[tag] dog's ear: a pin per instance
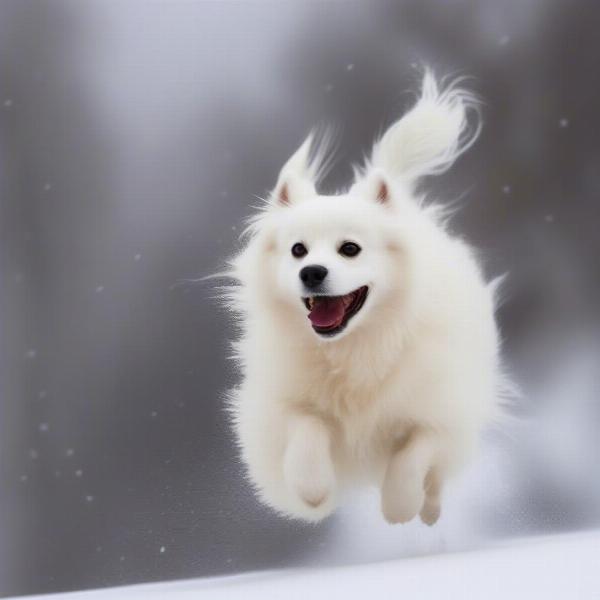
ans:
(295, 179)
(299, 176)
(376, 187)
(430, 136)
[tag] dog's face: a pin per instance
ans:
(334, 261)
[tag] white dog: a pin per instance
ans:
(369, 349)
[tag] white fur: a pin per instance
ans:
(399, 398)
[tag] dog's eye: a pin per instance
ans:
(349, 249)
(299, 250)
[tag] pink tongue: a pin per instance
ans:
(327, 312)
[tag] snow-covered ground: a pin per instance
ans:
(553, 567)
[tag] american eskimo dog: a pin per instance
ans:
(369, 350)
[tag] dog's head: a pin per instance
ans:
(335, 257)
(348, 261)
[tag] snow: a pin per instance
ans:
(44, 427)
(137, 257)
(504, 40)
(563, 122)
(99, 289)
(506, 189)
(31, 353)
(551, 568)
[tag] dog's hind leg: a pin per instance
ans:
(403, 491)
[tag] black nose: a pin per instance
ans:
(313, 275)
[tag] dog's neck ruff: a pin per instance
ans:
(367, 356)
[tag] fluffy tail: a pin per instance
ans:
(432, 135)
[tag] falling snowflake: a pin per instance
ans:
(70, 452)
(47, 187)
(329, 87)
(506, 189)
(31, 353)
(8, 103)
(563, 123)
(350, 67)
(89, 498)
(42, 394)
(43, 427)
(503, 41)
(549, 218)
(99, 289)
(137, 257)
(33, 454)
(162, 549)
(23, 478)
(78, 473)
(153, 414)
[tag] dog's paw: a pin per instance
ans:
(430, 513)
(309, 475)
(312, 482)
(312, 493)
(403, 490)
(401, 501)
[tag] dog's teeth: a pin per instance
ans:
(311, 303)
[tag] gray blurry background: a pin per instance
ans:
(133, 136)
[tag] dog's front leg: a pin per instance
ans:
(410, 485)
(307, 465)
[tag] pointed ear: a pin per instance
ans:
(375, 186)
(297, 178)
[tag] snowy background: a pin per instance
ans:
(133, 136)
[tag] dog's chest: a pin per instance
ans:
(369, 409)
(357, 409)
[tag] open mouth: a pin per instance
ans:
(330, 314)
